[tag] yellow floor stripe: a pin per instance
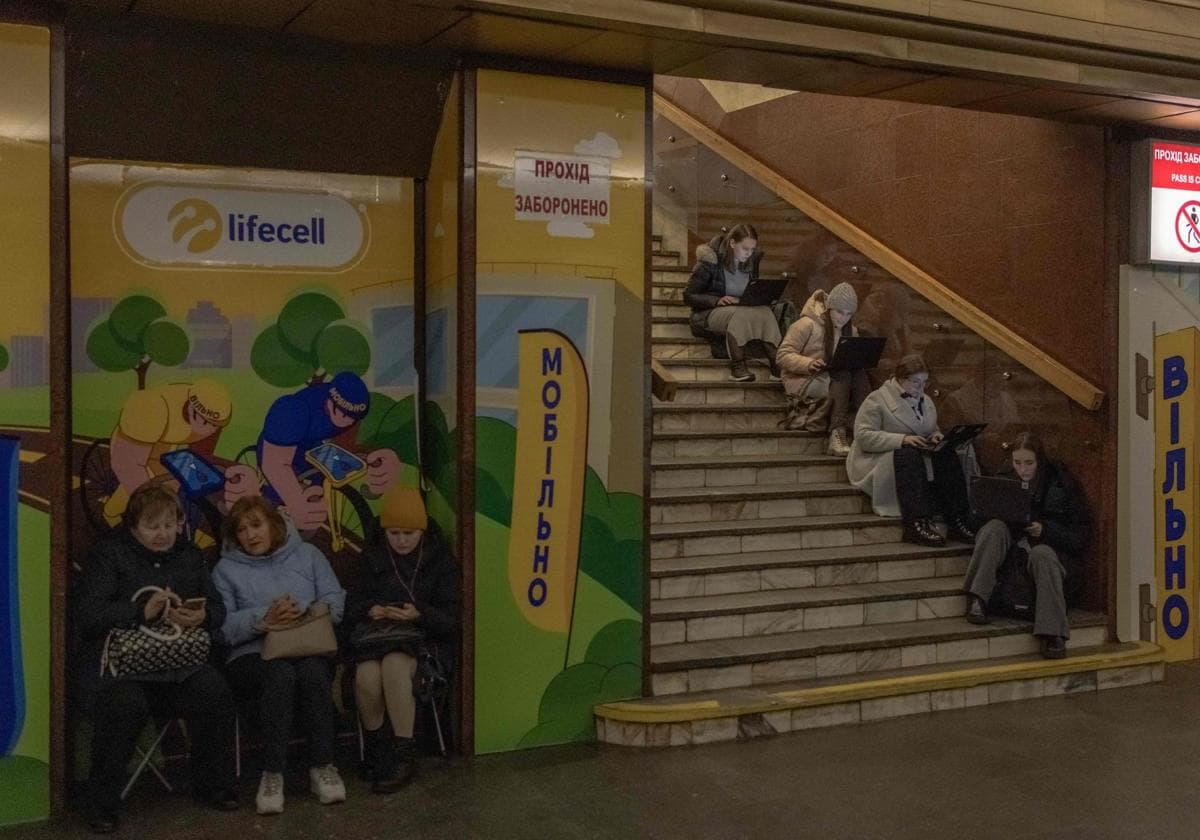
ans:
(654, 710)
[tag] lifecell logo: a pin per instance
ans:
(194, 226)
(197, 222)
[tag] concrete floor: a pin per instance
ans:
(1113, 764)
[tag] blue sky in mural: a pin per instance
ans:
(393, 345)
(500, 317)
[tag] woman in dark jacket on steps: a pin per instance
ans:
(406, 575)
(150, 551)
(1053, 542)
(724, 267)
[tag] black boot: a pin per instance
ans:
(961, 528)
(922, 532)
(402, 769)
(378, 758)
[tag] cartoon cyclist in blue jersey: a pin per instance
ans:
(297, 423)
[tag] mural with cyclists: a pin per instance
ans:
(25, 469)
(241, 332)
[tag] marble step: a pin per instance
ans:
(670, 274)
(774, 708)
(738, 615)
(691, 575)
(723, 504)
(732, 470)
(840, 651)
(669, 293)
(762, 391)
(669, 417)
(678, 309)
(708, 369)
(671, 327)
(669, 445)
(784, 533)
(682, 347)
(665, 259)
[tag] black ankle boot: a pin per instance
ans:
(960, 529)
(922, 532)
(402, 767)
(380, 753)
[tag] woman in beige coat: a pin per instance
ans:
(894, 435)
(818, 399)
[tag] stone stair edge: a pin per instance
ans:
(751, 492)
(736, 461)
(787, 558)
(804, 598)
(773, 525)
(707, 705)
(801, 644)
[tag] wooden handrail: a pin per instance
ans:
(1048, 368)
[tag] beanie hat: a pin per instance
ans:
(349, 393)
(403, 508)
(843, 297)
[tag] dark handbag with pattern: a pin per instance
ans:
(376, 639)
(148, 649)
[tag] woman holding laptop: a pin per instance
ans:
(895, 449)
(1048, 546)
(820, 399)
(724, 268)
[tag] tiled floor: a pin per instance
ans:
(1114, 764)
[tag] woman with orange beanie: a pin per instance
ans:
(406, 575)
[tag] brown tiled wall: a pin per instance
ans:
(1006, 210)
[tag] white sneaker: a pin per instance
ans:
(270, 794)
(839, 443)
(326, 784)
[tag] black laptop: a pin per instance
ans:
(1006, 499)
(857, 352)
(958, 435)
(763, 291)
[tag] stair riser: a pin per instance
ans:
(710, 372)
(668, 293)
(796, 577)
(729, 396)
(666, 259)
(668, 310)
(725, 446)
(688, 479)
(707, 628)
(681, 350)
(826, 537)
(664, 274)
(729, 420)
(859, 662)
(768, 724)
(743, 511)
(670, 331)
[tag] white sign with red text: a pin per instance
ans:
(1174, 203)
(552, 187)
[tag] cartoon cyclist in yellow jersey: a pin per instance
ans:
(158, 420)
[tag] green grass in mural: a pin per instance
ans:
(26, 407)
(516, 661)
(33, 529)
(24, 790)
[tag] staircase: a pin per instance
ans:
(779, 601)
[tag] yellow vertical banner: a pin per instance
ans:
(551, 459)
(1176, 516)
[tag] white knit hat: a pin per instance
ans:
(843, 297)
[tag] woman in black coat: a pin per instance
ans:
(1052, 542)
(724, 268)
(150, 551)
(406, 575)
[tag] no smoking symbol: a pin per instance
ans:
(1187, 226)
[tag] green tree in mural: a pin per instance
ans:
(309, 341)
(3, 357)
(136, 335)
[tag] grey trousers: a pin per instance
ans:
(992, 544)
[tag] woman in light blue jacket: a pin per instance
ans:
(269, 575)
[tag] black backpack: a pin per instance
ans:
(1015, 595)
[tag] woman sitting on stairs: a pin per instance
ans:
(893, 455)
(1048, 547)
(820, 400)
(724, 268)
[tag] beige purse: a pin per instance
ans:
(310, 635)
